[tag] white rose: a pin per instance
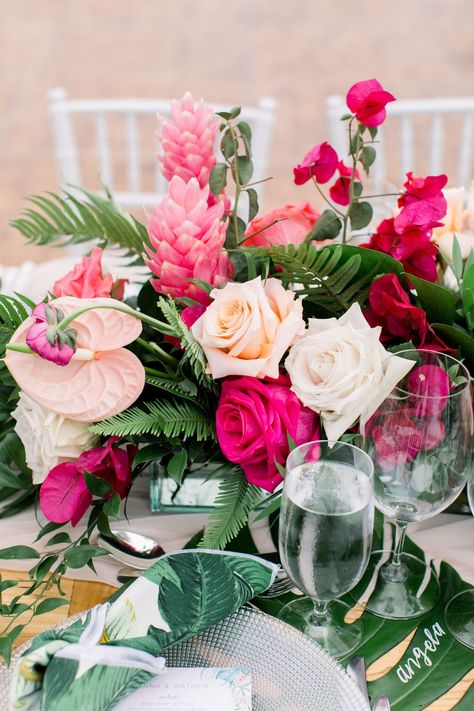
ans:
(48, 438)
(341, 370)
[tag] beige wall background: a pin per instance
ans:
(297, 51)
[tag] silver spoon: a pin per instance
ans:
(131, 548)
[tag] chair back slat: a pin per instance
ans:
(465, 151)
(103, 150)
(133, 162)
(135, 194)
(437, 144)
(423, 124)
(406, 144)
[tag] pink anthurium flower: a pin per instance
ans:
(102, 379)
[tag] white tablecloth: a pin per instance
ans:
(446, 536)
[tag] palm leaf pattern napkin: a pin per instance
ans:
(115, 648)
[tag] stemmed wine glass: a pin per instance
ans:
(459, 612)
(420, 440)
(326, 524)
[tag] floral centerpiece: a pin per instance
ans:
(251, 334)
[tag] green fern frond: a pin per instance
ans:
(193, 353)
(171, 386)
(171, 418)
(324, 276)
(235, 500)
(13, 311)
(68, 219)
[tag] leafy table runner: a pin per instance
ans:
(389, 645)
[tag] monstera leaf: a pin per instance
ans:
(429, 662)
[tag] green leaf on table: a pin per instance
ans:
(61, 537)
(6, 584)
(436, 300)
(48, 528)
(9, 479)
(44, 566)
(50, 604)
(79, 556)
(218, 178)
(18, 553)
(367, 157)
(360, 215)
(327, 226)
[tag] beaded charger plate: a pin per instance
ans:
(289, 671)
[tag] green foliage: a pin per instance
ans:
(360, 215)
(436, 300)
(170, 418)
(235, 500)
(321, 274)
(367, 157)
(327, 226)
(69, 219)
(193, 353)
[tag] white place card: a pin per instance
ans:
(190, 689)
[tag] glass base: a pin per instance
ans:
(402, 592)
(336, 636)
(459, 617)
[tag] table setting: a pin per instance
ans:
(235, 445)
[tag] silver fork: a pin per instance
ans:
(356, 670)
(281, 585)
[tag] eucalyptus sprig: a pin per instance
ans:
(236, 148)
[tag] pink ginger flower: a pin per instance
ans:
(187, 237)
(188, 139)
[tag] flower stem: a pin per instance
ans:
(157, 351)
(333, 207)
(153, 322)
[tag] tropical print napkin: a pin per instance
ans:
(116, 647)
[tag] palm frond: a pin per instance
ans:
(235, 500)
(69, 219)
(13, 311)
(325, 276)
(171, 418)
(193, 353)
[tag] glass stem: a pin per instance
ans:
(396, 571)
(320, 614)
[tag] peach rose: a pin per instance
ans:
(458, 221)
(248, 327)
(295, 221)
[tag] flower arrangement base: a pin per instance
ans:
(195, 495)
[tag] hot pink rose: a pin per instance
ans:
(248, 327)
(339, 192)
(253, 420)
(320, 162)
(64, 495)
(294, 223)
(86, 280)
(367, 100)
(411, 246)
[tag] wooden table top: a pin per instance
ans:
(85, 594)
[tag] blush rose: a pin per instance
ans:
(248, 327)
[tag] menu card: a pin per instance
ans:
(192, 689)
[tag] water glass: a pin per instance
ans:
(325, 538)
